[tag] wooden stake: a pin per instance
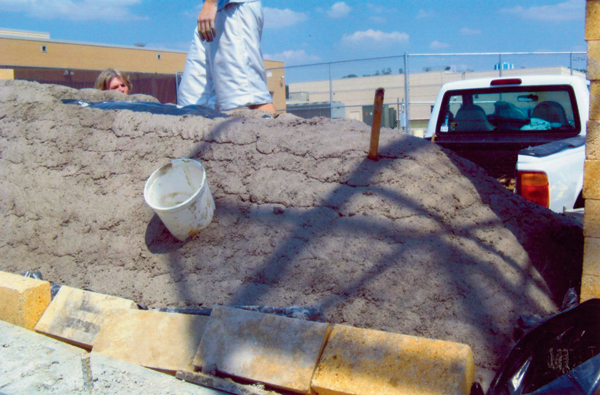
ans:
(376, 127)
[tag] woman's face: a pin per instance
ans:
(116, 84)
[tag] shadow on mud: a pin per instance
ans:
(558, 263)
(158, 238)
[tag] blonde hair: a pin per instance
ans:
(103, 80)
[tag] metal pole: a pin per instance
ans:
(403, 115)
(500, 64)
(398, 115)
(406, 93)
(571, 62)
(330, 93)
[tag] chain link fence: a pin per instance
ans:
(345, 89)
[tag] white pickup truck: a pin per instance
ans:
(531, 128)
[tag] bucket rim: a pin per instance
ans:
(182, 205)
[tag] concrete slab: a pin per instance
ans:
(279, 351)
(120, 377)
(369, 362)
(76, 316)
(32, 363)
(157, 340)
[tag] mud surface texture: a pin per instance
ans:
(420, 242)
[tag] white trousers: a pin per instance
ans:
(228, 72)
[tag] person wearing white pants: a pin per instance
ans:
(224, 69)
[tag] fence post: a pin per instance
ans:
(571, 62)
(398, 115)
(500, 65)
(406, 93)
(330, 93)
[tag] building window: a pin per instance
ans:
(158, 56)
(43, 48)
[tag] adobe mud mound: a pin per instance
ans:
(420, 242)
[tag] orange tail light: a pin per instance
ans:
(534, 186)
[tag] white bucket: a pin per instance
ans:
(178, 192)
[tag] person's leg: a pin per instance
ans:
(196, 85)
(239, 74)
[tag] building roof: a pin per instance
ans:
(24, 34)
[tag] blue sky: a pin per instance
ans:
(311, 31)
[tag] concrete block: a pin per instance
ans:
(591, 218)
(595, 100)
(590, 287)
(161, 341)
(593, 60)
(362, 361)
(591, 180)
(23, 300)
(591, 256)
(592, 146)
(592, 20)
(279, 351)
(76, 316)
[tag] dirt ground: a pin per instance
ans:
(420, 242)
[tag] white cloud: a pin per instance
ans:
(469, 32)
(424, 14)
(276, 18)
(378, 9)
(339, 10)
(293, 57)
(370, 37)
(74, 10)
(378, 19)
(571, 10)
(438, 45)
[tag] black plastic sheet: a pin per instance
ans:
(307, 313)
(559, 356)
(583, 380)
(154, 108)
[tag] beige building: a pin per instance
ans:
(33, 49)
(356, 93)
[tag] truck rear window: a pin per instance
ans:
(510, 109)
